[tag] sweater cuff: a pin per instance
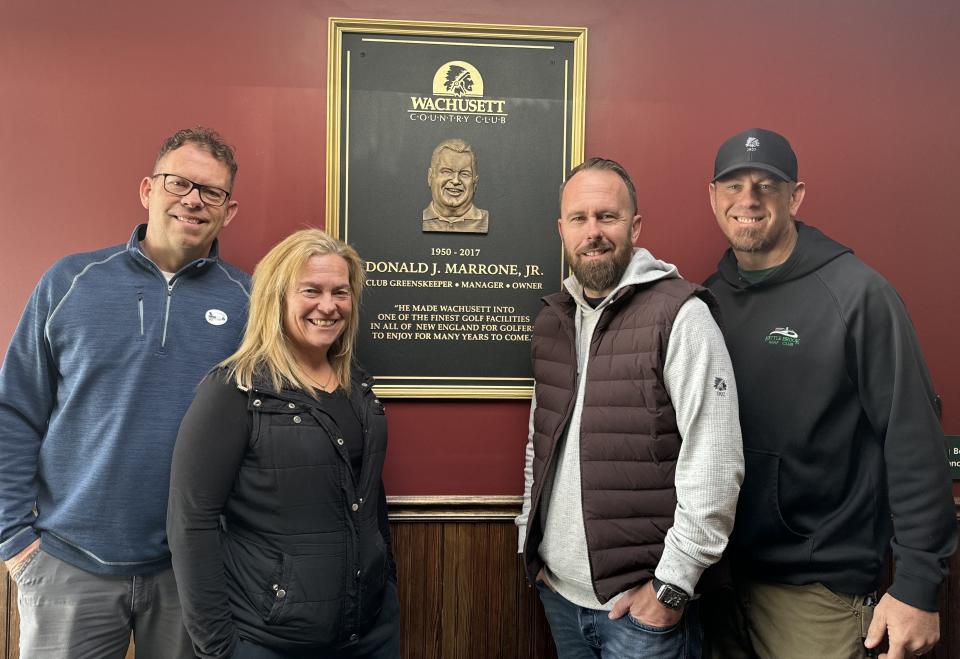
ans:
(23, 539)
(678, 569)
(916, 592)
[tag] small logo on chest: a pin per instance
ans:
(215, 317)
(782, 336)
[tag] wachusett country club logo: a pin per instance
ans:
(782, 336)
(458, 98)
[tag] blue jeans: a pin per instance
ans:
(582, 633)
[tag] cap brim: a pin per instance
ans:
(753, 165)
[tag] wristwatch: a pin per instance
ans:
(670, 596)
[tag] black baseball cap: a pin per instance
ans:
(757, 148)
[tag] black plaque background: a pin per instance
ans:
(384, 159)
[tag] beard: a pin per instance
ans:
(749, 239)
(771, 234)
(604, 274)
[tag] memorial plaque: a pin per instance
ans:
(447, 144)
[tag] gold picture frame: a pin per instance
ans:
(479, 123)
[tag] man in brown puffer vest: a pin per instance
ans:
(634, 459)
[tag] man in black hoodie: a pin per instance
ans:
(843, 446)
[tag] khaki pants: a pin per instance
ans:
(69, 613)
(776, 621)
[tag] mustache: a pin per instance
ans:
(599, 243)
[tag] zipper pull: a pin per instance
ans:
(140, 310)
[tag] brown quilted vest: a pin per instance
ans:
(629, 440)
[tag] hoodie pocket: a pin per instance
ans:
(761, 532)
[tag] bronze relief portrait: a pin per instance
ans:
(452, 177)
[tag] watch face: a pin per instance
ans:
(670, 597)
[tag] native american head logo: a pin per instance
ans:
(459, 82)
(457, 78)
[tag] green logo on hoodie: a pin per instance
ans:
(782, 336)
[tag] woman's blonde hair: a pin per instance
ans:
(265, 349)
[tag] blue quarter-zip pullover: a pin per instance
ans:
(102, 367)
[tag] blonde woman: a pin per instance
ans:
(277, 516)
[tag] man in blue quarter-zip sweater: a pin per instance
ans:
(102, 366)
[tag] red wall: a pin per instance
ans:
(866, 90)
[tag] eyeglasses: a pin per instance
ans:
(181, 187)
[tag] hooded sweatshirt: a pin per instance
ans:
(839, 427)
(709, 467)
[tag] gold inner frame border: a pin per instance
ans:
(459, 508)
